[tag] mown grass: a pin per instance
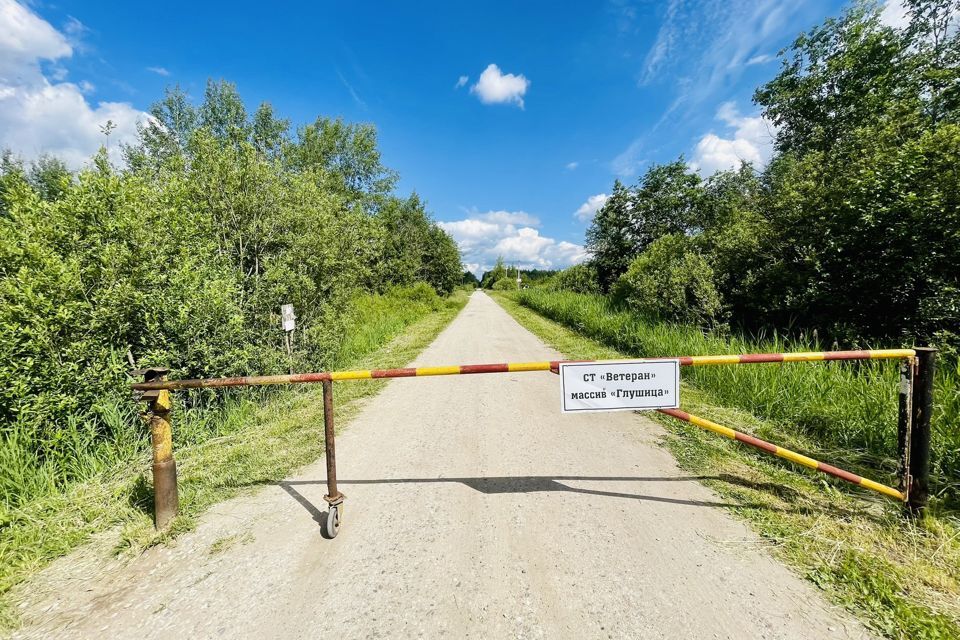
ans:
(847, 407)
(900, 576)
(254, 437)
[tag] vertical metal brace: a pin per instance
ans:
(166, 497)
(333, 497)
(904, 424)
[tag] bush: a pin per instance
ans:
(580, 278)
(672, 282)
(505, 284)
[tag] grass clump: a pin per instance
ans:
(900, 577)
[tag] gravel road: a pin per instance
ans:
(474, 510)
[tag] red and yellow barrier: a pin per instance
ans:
(507, 367)
(787, 454)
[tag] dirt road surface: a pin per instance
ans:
(474, 510)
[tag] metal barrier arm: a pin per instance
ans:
(787, 454)
(508, 367)
(913, 429)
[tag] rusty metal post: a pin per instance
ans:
(921, 411)
(904, 423)
(166, 497)
(333, 497)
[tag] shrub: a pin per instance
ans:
(670, 281)
(580, 278)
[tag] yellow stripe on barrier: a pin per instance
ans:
(361, 374)
(882, 488)
(528, 366)
(713, 426)
(804, 356)
(705, 360)
(792, 456)
(438, 371)
(891, 353)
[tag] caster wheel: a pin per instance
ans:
(331, 525)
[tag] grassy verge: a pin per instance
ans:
(256, 438)
(901, 578)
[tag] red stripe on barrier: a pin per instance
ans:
(676, 413)
(748, 358)
(840, 473)
(312, 377)
(393, 373)
(485, 368)
(756, 442)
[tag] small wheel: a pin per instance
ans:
(332, 523)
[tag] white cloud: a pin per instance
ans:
(752, 141)
(572, 165)
(762, 58)
(591, 206)
(497, 87)
(483, 237)
(39, 116)
(160, 71)
(895, 15)
(461, 81)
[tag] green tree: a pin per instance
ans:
(608, 237)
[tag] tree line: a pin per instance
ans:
(853, 227)
(182, 255)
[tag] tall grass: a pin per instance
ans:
(86, 448)
(850, 406)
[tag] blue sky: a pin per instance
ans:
(511, 119)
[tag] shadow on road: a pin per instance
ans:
(532, 484)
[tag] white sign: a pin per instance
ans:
(630, 385)
(289, 319)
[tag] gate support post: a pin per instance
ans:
(166, 497)
(334, 498)
(919, 444)
(904, 424)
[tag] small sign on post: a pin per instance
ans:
(289, 319)
(630, 385)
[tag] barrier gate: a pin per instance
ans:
(913, 426)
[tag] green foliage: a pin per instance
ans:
(672, 282)
(470, 279)
(664, 201)
(182, 259)
(505, 284)
(496, 274)
(580, 278)
(849, 406)
(852, 227)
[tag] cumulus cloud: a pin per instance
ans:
(483, 237)
(572, 165)
(591, 206)
(461, 81)
(495, 86)
(48, 115)
(752, 142)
